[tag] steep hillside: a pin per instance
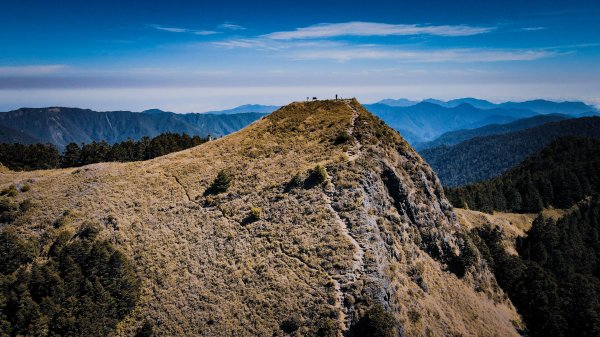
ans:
(483, 158)
(316, 219)
(426, 121)
(61, 126)
(455, 137)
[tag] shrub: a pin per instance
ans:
(88, 231)
(25, 188)
(317, 176)
(459, 264)
(290, 325)
(295, 182)
(25, 205)
(376, 322)
(220, 184)
(8, 211)
(342, 138)
(327, 328)
(14, 251)
(10, 191)
(254, 215)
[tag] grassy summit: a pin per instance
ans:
(329, 221)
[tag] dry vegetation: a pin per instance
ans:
(512, 225)
(282, 247)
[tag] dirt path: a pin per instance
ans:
(346, 277)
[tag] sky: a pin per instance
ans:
(194, 56)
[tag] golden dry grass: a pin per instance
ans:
(327, 251)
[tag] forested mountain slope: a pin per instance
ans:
(459, 136)
(561, 174)
(486, 157)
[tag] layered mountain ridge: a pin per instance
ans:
(329, 213)
(61, 126)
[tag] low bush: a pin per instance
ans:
(342, 138)
(376, 322)
(317, 176)
(221, 183)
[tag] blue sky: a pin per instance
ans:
(196, 56)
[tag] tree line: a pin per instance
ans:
(554, 282)
(82, 286)
(21, 157)
(561, 174)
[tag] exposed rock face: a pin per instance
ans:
(376, 229)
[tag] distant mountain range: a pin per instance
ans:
(418, 122)
(421, 122)
(61, 126)
(426, 121)
(455, 137)
(486, 157)
(539, 105)
(247, 108)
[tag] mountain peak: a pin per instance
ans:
(326, 209)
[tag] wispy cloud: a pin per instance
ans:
(343, 51)
(205, 32)
(274, 45)
(32, 70)
(466, 55)
(328, 30)
(171, 29)
(532, 29)
(231, 26)
(185, 30)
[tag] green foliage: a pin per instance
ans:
(14, 250)
(10, 210)
(327, 327)
(290, 325)
(342, 138)
(459, 264)
(484, 158)
(220, 184)
(82, 288)
(316, 176)
(555, 283)
(376, 322)
(560, 175)
(296, 181)
(45, 156)
(29, 157)
(255, 214)
(10, 191)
